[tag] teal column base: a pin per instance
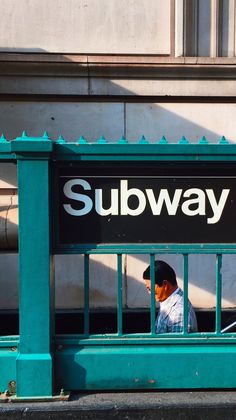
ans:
(63, 396)
(34, 375)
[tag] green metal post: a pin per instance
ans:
(86, 294)
(152, 297)
(185, 329)
(34, 363)
(119, 296)
(218, 292)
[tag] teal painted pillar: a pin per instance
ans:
(34, 365)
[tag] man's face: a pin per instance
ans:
(161, 292)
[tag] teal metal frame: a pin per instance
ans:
(41, 363)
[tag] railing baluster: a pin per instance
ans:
(152, 298)
(218, 293)
(86, 294)
(119, 295)
(185, 308)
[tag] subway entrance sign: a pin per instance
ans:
(135, 202)
(125, 205)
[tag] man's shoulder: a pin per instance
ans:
(177, 297)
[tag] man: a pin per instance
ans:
(170, 317)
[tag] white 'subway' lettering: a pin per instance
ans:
(119, 202)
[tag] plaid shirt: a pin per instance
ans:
(170, 317)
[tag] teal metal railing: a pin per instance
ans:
(81, 361)
(153, 307)
(86, 294)
(218, 293)
(185, 277)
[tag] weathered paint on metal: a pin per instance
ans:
(142, 366)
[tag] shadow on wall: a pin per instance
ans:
(112, 120)
(77, 109)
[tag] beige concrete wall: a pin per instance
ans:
(93, 119)
(8, 206)
(173, 120)
(69, 119)
(201, 279)
(9, 281)
(8, 176)
(86, 26)
(103, 292)
(103, 284)
(118, 86)
(70, 281)
(8, 220)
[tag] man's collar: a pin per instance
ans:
(167, 301)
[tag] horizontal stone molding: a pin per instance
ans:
(118, 75)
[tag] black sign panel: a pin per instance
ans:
(108, 208)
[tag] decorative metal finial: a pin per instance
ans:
(102, 140)
(143, 140)
(163, 140)
(61, 140)
(183, 140)
(82, 140)
(122, 140)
